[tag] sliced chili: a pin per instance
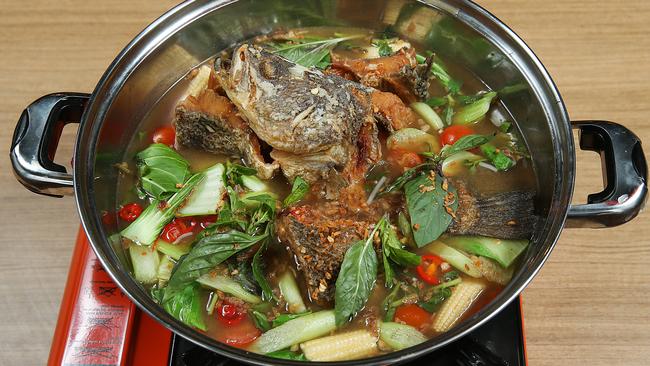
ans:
(130, 212)
(428, 269)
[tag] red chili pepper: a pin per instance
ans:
(199, 223)
(108, 218)
(428, 269)
(175, 229)
(130, 211)
(229, 314)
(165, 135)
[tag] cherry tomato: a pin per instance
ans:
(108, 218)
(229, 314)
(404, 158)
(175, 229)
(451, 134)
(130, 212)
(164, 135)
(412, 315)
(241, 334)
(428, 269)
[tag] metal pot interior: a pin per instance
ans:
(195, 31)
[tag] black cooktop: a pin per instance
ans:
(499, 342)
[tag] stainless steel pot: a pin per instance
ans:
(193, 31)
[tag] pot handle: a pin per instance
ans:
(625, 175)
(36, 138)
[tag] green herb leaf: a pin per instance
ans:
(308, 51)
(258, 274)
(356, 279)
(448, 114)
(185, 306)
(464, 143)
(205, 255)
(298, 191)
(393, 248)
(235, 171)
(286, 354)
(383, 47)
(283, 318)
(505, 126)
(426, 206)
(441, 74)
(162, 170)
(388, 304)
(434, 102)
(500, 160)
(260, 320)
(436, 300)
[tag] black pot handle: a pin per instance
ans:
(625, 175)
(36, 138)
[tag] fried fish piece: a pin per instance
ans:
(210, 122)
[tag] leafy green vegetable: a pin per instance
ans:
(404, 225)
(500, 160)
(283, 318)
(258, 274)
(448, 114)
(308, 51)
(388, 303)
(434, 102)
(441, 74)
(462, 144)
(162, 170)
(260, 320)
(436, 300)
(475, 111)
(287, 354)
(298, 191)
(425, 200)
(234, 173)
(383, 47)
(409, 174)
(393, 248)
(205, 255)
(185, 306)
(505, 126)
(356, 279)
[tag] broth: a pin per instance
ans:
(482, 178)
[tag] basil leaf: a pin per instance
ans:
(383, 47)
(186, 306)
(205, 255)
(448, 115)
(399, 182)
(436, 101)
(389, 274)
(286, 354)
(464, 143)
(389, 304)
(298, 191)
(393, 248)
(258, 274)
(356, 279)
(308, 51)
(283, 318)
(162, 170)
(500, 160)
(436, 300)
(260, 320)
(235, 171)
(425, 201)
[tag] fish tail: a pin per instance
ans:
(507, 215)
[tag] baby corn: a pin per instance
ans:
(345, 346)
(461, 299)
(492, 271)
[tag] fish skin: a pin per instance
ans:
(210, 122)
(299, 112)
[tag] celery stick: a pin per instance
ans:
(291, 293)
(228, 286)
(452, 256)
(145, 262)
(501, 250)
(400, 336)
(295, 331)
(146, 228)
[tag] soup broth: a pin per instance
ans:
(356, 252)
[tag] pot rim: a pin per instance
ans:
(178, 17)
